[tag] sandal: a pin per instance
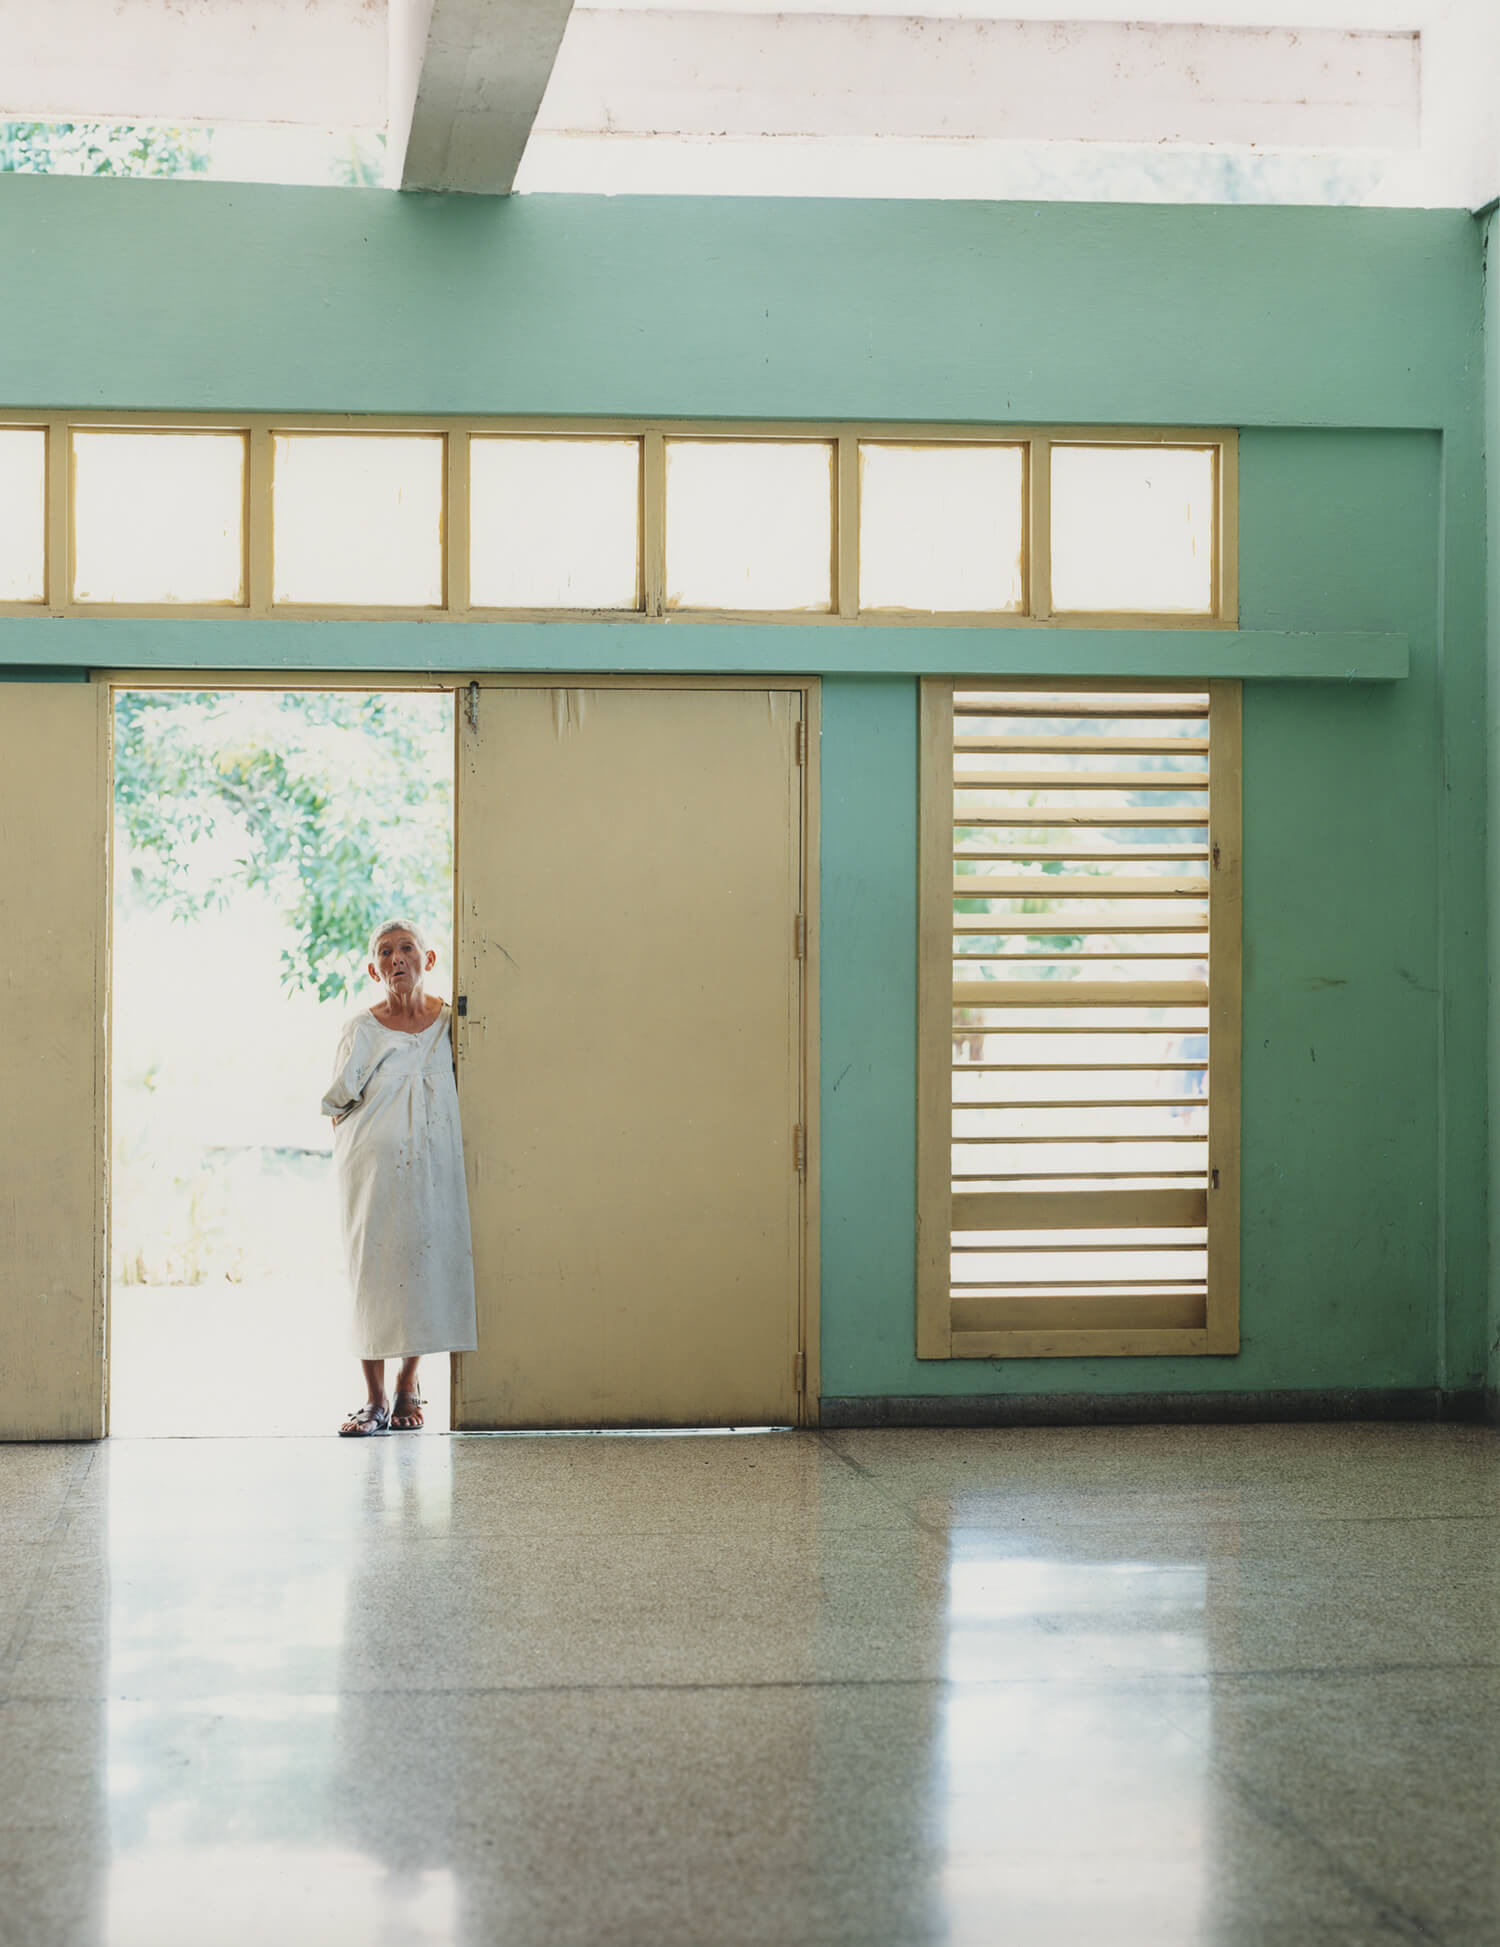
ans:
(406, 1413)
(369, 1419)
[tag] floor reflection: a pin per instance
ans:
(244, 1753)
(1073, 1795)
(249, 1895)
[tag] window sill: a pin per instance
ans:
(637, 644)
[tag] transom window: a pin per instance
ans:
(880, 525)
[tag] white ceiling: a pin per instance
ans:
(1392, 101)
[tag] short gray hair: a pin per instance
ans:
(397, 926)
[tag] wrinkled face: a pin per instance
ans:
(400, 963)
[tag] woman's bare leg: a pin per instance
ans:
(408, 1413)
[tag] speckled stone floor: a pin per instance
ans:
(1144, 1687)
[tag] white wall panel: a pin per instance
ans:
(703, 74)
(322, 65)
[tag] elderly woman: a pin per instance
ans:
(399, 1160)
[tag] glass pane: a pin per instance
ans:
(554, 523)
(23, 514)
(940, 527)
(158, 517)
(749, 524)
(1132, 529)
(358, 519)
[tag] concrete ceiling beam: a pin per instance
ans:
(466, 80)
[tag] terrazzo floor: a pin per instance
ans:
(1144, 1687)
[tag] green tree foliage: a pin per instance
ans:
(338, 806)
(102, 149)
(354, 159)
(1042, 902)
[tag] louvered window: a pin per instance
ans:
(1078, 1137)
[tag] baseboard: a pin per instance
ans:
(1162, 1409)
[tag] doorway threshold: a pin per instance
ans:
(615, 1432)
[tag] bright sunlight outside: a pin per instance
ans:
(259, 835)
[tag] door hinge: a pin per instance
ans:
(1214, 857)
(799, 1373)
(471, 706)
(461, 1006)
(799, 1149)
(799, 742)
(799, 937)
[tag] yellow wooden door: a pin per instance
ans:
(631, 1058)
(53, 838)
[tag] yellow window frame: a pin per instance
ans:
(940, 1318)
(259, 430)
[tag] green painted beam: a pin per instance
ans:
(134, 642)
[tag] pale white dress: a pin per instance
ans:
(398, 1156)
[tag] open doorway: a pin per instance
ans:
(259, 834)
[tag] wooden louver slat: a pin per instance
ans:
(1076, 1067)
(1079, 1311)
(1081, 1210)
(1079, 855)
(1113, 817)
(1071, 1176)
(1065, 1102)
(1061, 780)
(1083, 1139)
(1074, 1250)
(1015, 705)
(1057, 885)
(1080, 993)
(1113, 925)
(1027, 745)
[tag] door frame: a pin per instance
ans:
(458, 682)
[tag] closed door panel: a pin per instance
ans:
(53, 838)
(631, 1062)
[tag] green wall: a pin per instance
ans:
(1347, 344)
(1345, 1200)
(1493, 736)
(186, 294)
